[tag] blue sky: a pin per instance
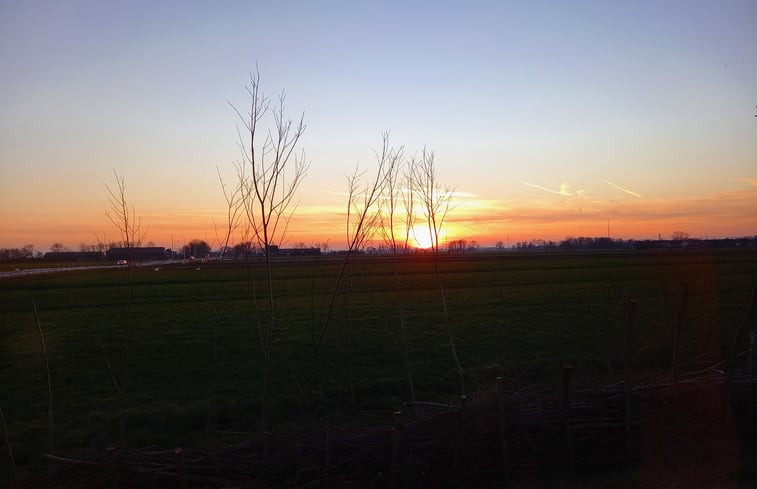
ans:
(656, 97)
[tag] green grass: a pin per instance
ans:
(195, 355)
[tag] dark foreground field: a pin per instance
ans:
(171, 356)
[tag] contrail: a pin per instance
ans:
(629, 192)
(563, 189)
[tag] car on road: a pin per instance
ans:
(122, 262)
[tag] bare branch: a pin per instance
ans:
(435, 202)
(123, 215)
(234, 207)
(265, 195)
(364, 207)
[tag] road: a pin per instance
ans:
(23, 272)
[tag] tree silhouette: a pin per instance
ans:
(269, 174)
(196, 248)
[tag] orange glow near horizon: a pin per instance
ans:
(728, 214)
(73, 233)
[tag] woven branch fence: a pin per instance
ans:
(698, 418)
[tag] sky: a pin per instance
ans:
(550, 119)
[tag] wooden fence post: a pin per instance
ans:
(394, 464)
(744, 321)
(266, 445)
(327, 459)
(181, 470)
(752, 351)
(461, 434)
(565, 404)
(112, 471)
(627, 368)
(677, 335)
(501, 422)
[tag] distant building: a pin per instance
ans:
(73, 256)
(139, 253)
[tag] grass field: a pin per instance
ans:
(194, 357)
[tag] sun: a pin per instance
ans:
(422, 236)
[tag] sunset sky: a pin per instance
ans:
(551, 119)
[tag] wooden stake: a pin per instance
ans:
(396, 430)
(744, 321)
(327, 459)
(112, 470)
(752, 352)
(627, 368)
(266, 445)
(677, 335)
(461, 434)
(501, 422)
(565, 404)
(181, 471)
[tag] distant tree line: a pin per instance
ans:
(24, 253)
(463, 246)
(679, 240)
(571, 243)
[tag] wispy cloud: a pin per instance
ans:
(625, 190)
(751, 181)
(725, 210)
(564, 190)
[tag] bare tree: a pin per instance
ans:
(123, 216)
(679, 236)
(367, 205)
(363, 220)
(435, 202)
(267, 192)
(394, 197)
(234, 211)
(396, 228)
(27, 252)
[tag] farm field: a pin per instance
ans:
(171, 356)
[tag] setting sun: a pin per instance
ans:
(422, 237)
